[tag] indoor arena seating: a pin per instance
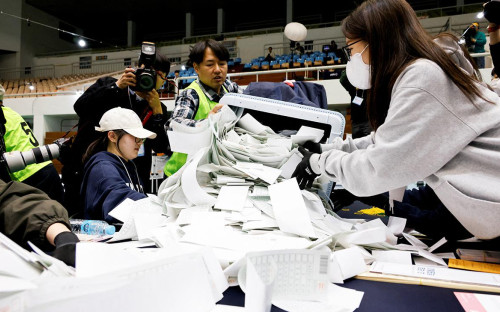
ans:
(34, 86)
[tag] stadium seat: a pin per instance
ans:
(264, 65)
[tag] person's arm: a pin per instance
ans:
(406, 148)
(185, 109)
(27, 214)
(349, 145)
(54, 230)
(105, 185)
(102, 96)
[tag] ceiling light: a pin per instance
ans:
(480, 15)
(82, 43)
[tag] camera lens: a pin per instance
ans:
(146, 82)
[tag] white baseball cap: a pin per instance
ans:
(119, 118)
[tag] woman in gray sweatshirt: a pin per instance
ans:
(432, 121)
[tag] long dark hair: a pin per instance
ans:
(101, 144)
(396, 38)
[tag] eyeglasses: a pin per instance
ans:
(347, 50)
(139, 140)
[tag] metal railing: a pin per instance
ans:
(27, 72)
(91, 67)
(257, 74)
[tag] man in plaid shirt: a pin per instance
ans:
(201, 98)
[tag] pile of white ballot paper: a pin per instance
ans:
(232, 215)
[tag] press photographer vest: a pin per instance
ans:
(19, 137)
(205, 105)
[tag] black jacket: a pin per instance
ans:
(26, 213)
(102, 96)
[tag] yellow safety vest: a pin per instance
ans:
(19, 137)
(205, 105)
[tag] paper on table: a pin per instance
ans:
(217, 277)
(283, 142)
(169, 277)
(428, 255)
(361, 237)
(396, 225)
(12, 284)
(189, 143)
(266, 173)
(289, 209)
(339, 299)
(222, 179)
(127, 231)
(264, 223)
(478, 302)
(392, 256)
(232, 198)
(439, 273)
(260, 191)
(308, 134)
(291, 164)
(146, 223)
(232, 136)
(438, 244)
(259, 286)
(249, 123)
(189, 182)
(349, 261)
(123, 211)
(186, 215)
(227, 308)
(377, 223)
(415, 241)
(16, 266)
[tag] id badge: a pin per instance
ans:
(357, 100)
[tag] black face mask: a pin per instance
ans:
(473, 31)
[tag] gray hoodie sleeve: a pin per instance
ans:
(349, 145)
(414, 141)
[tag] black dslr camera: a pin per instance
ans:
(146, 77)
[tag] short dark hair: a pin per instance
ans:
(198, 51)
(162, 63)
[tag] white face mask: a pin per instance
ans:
(358, 72)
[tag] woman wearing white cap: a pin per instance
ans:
(110, 174)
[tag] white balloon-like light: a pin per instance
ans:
(82, 43)
(295, 31)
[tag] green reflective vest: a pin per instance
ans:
(205, 105)
(19, 137)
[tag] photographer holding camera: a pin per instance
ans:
(136, 90)
(18, 137)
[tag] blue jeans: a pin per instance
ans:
(427, 214)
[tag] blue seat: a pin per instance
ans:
(230, 63)
(237, 60)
